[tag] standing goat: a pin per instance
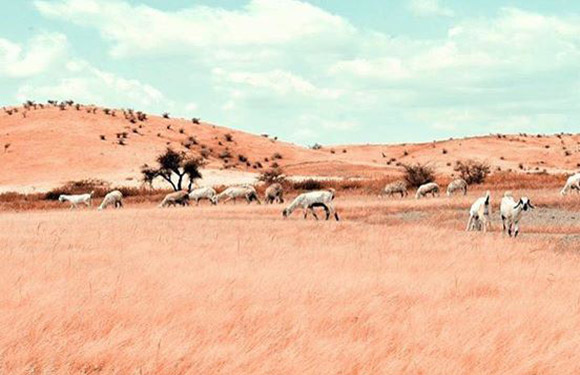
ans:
(114, 198)
(573, 182)
(393, 188)
(203, 193)
(274, 193)
(247, 192)
(428, 188)
(511, 212)
(479, 214)
(458, 184)
(75, 200)
(172, 199)
(308, 201)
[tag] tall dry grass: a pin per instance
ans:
(235, 289)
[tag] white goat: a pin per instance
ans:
(114, 198)
(394, 188)
(458, 184)
(75, 200)
(479, 214)
(428, 188)
(308, 201)
(573, 182)
(203, 193)
(274, 193)
(247, 192)
(178, 197)
(511, 212)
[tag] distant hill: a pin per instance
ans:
(43, 147)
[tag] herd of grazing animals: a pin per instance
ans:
(511, 209)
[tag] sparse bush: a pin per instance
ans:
(103, 138)
(196, 120)
(344, 150)
(79, 187)
(181, 131)
(444, 151)
(228, 137)
(332, 151)
(205, 153)
(309, 184)
(6, 147)
(406, 153)
(242, 158)
(316, 146)
(418, 174)
(272, 175)
(190, 142)
(165, 115)
(276, 155)
(225, 154)
(473, 172)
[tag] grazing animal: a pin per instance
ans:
(399, 187)
(511, 212)
(274, 193)
(247, 192)
(458, 184)
(75, 200)
(114, 198)
(308, 201)
(203, 193)
(428, 188)
(479, 214)
(572, 183)
(178, 197)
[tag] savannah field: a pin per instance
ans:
(396, 287)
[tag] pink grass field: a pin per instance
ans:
(396, 287)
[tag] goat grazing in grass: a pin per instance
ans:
(114, 198)
(207, 192)
(247, 192)
(458, 184)
(572, 183)
(75, 200)
(428, 188)
(511, 212)
(274, 193)
(479, 214)
(308, 201)
(397, 187)
(173, 199)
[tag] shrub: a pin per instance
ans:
(418, 174)
(308, 184)
(181, 131)
(79, 187)
(276, 155)
(190, 142)
(103, 138)
(228, 137)
(165, 115)
(316, 146)
(272, 175)
(225, 154)
(472, 172)
(242, 158)
(444, 151)
(196, 120)
(205, 153)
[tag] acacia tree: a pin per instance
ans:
(173, 167)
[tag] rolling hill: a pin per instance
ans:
(45, 146)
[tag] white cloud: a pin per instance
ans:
(430, 8)
(86, 84)
(278, 82)
(42, 53)
(260, 22)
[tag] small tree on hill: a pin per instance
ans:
(173, 167)
(473, 172)
(418, 174)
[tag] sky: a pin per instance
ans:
(318, 71)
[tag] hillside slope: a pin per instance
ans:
(44, 147)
